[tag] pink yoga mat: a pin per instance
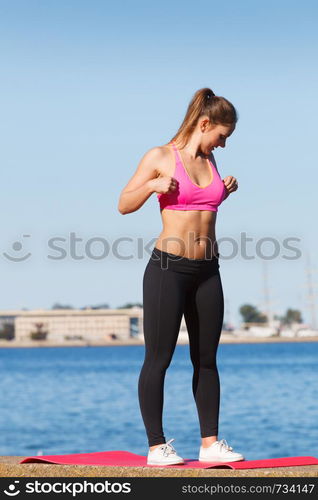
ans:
(128, 459)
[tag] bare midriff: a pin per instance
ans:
(188, 233)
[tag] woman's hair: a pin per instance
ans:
(219, 110)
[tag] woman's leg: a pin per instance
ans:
(204, 310)
(163, 304)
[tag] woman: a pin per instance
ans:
(182, 275)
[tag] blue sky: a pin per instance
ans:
(89, 87)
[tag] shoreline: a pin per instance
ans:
(130, 342)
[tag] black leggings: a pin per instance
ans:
(173, 286)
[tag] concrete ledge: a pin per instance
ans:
(10, 467)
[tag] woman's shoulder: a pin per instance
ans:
(159, 151)
(161, 155)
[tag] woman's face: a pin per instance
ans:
(216, 137)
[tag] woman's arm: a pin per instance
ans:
(140, 186)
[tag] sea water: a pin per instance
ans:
(85, 399)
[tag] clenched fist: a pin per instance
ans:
(164, 184)
(230, 184)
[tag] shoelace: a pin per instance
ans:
(168, 448)
(223, 444)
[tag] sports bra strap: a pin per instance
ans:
(177, 155)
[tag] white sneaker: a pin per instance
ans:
(219, 451)
(165, 454)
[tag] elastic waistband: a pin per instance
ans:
(172, 261)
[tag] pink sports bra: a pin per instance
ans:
(190, 196)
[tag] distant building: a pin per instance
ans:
(69, 324)
(7, 318)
